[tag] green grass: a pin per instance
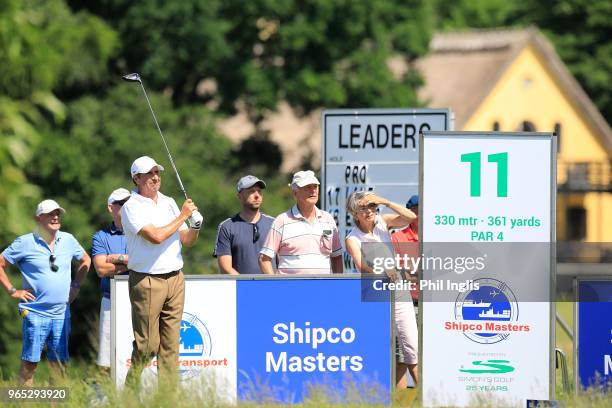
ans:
(80, 377)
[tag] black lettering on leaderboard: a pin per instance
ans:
(409, 133)
(340, 144)
(369, 138)
(378, 132)
(358, 140)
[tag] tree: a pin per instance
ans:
(39, 43)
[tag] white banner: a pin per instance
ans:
(489, 197)
(208, 335)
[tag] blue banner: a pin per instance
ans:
(595, 332)
(293, 336)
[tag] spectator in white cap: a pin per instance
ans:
(109, 254)
(156, 231)
(44, 258)
(304, 239)
(240, 238)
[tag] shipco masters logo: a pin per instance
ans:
(488, 314)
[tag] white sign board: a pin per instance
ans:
(208, 336)
(372, 149)
(489, 197)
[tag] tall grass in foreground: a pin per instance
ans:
(82, 393)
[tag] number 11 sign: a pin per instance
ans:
(487, 210)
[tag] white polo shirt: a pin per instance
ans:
(144, 256)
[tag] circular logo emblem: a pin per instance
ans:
(195, 344)
(487, 309)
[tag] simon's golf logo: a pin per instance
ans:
(488, 367)
(488, 314)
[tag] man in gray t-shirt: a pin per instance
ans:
(240, 238)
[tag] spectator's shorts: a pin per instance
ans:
(40, 331)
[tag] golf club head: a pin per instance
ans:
(134, 77)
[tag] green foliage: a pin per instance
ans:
(474, 13)
(40, 41)
(311, 53)
(320, 53)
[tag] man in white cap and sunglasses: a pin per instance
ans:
(240, 238)
(156, 230)
(44, 258)
(109, 254)
(304, 239)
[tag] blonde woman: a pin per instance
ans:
(371, 227)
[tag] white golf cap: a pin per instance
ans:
(47, 206)
(304, 178)
(143, 165)
(119, 194)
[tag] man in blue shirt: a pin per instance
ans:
(240, 238)
(44, 258)
(109, 254)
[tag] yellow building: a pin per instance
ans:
(511, 80)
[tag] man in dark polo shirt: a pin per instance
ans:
(240, 238)
(109, 254)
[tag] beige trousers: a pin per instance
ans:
(157, 310)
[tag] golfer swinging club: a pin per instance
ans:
(155, 230)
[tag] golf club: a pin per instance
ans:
(135, 77)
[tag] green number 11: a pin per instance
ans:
(502, 172)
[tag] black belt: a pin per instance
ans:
(158, 275)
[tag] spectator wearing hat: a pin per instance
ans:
(155, 230)
(240, 238)
(109, 254)
(304, 239)
(411, 232)
(44, 258)
(406, 241)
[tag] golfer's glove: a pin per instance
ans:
(195, 220)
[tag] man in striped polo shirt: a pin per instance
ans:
(304, 239)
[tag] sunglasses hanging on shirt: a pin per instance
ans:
(255, 233)
(52, 259)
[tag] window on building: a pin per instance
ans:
(496, 126)
(558, 133)
(576, 223)
(528, 126)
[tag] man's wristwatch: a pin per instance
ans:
(12, 290)
(121, 259)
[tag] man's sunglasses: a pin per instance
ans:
(52, 259)
(255, 233)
